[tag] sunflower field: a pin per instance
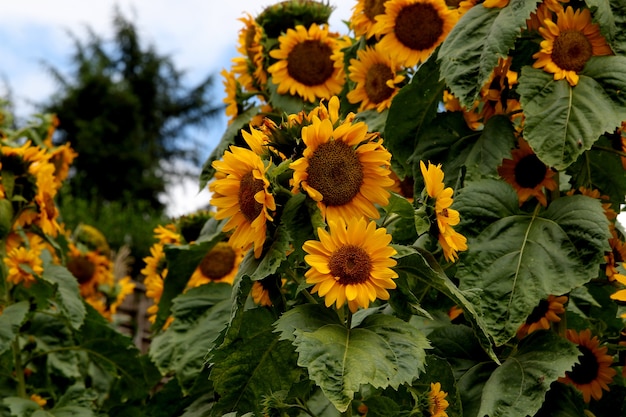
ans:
(416, 217)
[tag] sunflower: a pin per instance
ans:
(62, 157)
(90, 268)
(376, 77)
(230, 88)
(155, 272)
(345, 169)
(38, 399)
(437, 402)
(167, 234)
(545, 313)
(241, 194)
(569, 43)
(593, 371)
(310, 63)
(123, 288)
(23, 264)
(527, 174)
(450, 240)
(471, 116)
(220, 264)
(250, 47)
(351, 263)
(412, 29)
(364, 14)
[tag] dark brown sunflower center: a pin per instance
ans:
(310, 63)
(248, 187)
(336, 172)
(530, 171)
(418, 26)
(587, 369)
(376, 83)
(351, 264)
(373, 8)
(571, 50)
(538, 312)
(81, 267)
(218, 262)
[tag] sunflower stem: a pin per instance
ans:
(607, 149)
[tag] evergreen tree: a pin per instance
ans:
(126, 112)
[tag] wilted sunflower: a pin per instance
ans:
(527, 174)
(545, 313)
(364, 15)
(450, 240)
(220, 264)
(437, 403)
(569, 43)
(351, 263)
(412, 29)
(377, 79)
(345, 170)
(593, 371)
(241, 195)
(310, 63)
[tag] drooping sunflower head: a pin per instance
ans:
(220, 264)
(546, 312)
(190, 225)
(569, 43)
(345, 169)
(309, 63)
(593, 372)
(527, 174)
(351, 263)
(364, 15)
(92, 238)
(377, 79)
(266, 289)
(412, 29)
(241, 195)
(280, 17)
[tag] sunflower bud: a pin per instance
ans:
(279, 17)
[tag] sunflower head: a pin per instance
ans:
(569, 43)
(437, 403)
(277, 18)
(190, 225)
(594, 371)
(527, 174)
(351, 263)
(92, 238)
(546, 312)
(364, 16)
(412, 29)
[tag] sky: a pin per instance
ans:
(200, 36)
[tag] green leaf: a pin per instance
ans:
(564, 121)
(471, 50)
(200, 314)
(517, 388)
(70, 302)
(201, 407)
(251, 365)
(305, 318)
(382, 351)
(11, 320)
(494, 144)
(182, 260)
(21, 407)
(295, 217)
(618, 9)
(603, 16)
(511, 258)
(563, 400)
(411, 110)
(423, 266)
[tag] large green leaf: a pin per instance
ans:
(517, 387)
(200, 315)
(564, 121)
(411, 110)
(68, 296)
(23, 407)
(381, 351)
(423, 266)
(618, 9)
(520, 259)
(251, 365)
(11, 319)
(471, 50)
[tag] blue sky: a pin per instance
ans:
(198, 36)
